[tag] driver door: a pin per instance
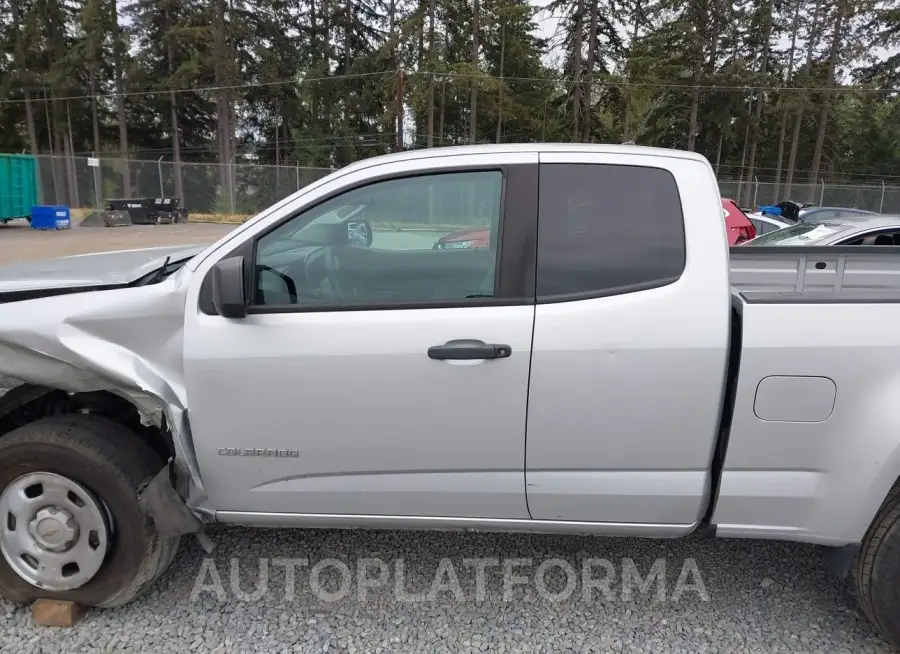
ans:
(325, 398)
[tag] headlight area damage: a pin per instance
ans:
(117, 353)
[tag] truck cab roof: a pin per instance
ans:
(540, 148)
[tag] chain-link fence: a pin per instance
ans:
(880, 198)
(245, 188)
(237, 188)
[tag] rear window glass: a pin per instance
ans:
(606, 229)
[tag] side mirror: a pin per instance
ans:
(359, 232)
(228, 288)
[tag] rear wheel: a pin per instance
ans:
(70, 524)
(876, 570)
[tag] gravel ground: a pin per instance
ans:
(761, 597)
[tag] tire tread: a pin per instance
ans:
(884, 530)
(122, 453)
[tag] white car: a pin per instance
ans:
(767, 223)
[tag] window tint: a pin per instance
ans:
(606, 228)
(416, 239)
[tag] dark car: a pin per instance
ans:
(465, 239)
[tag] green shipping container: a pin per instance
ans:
(18, 186)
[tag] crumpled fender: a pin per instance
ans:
(128, 341)
(166, 508)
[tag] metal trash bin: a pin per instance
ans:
(50, 217)
(139, 209)
(116, 218)
(149, 211)
(18, 186)
(168, 211)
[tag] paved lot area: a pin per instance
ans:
(761, 597)
(19, 242)
(756, 596)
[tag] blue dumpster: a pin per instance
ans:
(50, 217)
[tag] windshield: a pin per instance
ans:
(801, 234)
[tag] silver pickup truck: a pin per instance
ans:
(591, 367)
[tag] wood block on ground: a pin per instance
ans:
(56, 613)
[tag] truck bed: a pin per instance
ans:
(808, 447)
(816, 273)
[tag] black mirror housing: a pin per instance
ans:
(228, 294)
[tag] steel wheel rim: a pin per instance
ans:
(54, 533)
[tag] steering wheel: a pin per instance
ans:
(331, 268)
(291, 286)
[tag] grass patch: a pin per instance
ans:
(227, 218)
(78, 214)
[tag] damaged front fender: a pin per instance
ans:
(128, 341)
(166, 508)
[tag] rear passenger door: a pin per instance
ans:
(630, 343)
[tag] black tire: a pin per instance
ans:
(875, 574)
(113, 463)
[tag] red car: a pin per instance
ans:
(737, 226)
(466, 239)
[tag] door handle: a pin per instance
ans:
(463, 349)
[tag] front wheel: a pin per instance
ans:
(71, 527)
(876, 570)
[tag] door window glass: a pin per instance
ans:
(415, 239)
(607, 229)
